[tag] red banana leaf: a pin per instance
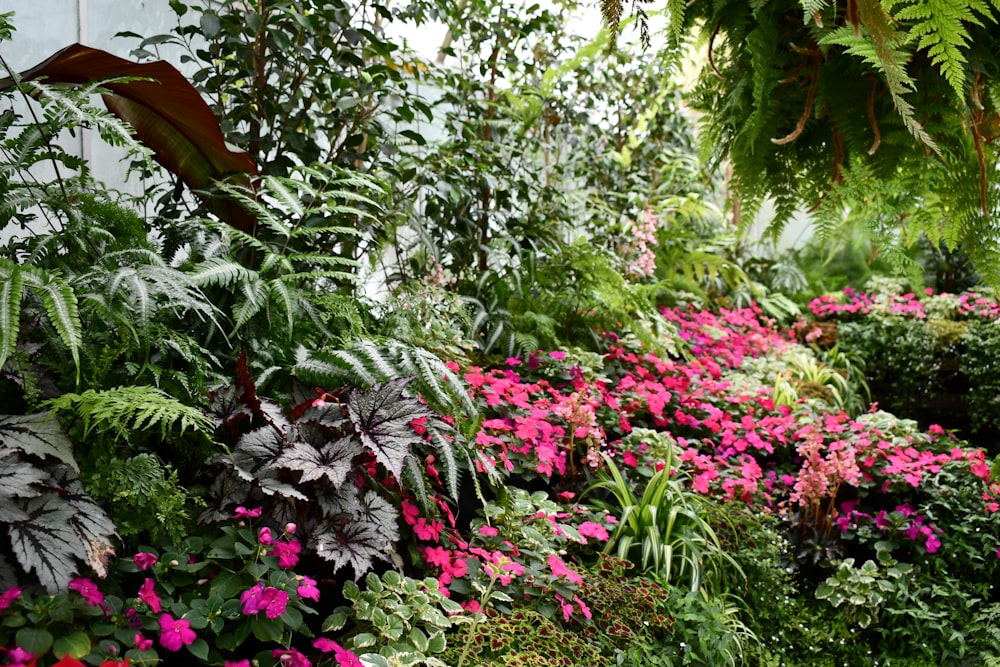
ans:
(169, 116)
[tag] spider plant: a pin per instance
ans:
(663, 529)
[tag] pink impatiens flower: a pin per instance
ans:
(253, 599)
(287, 553)
(142, 642)
(144, 560)
(593, 530)
(237, 663)
(9, 596)
(290, 657)
(307, 589)
(244, 513)
(343, 657)
(264, 536)
(560, 569)
(175, 633)
(149, 596)
(275, 601)
(88, 589)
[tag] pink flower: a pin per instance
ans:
(488, 531)
(290, 528)
(175, 633)
(252, 599)
(264, 536)
(290, 657)
(244, 513)
(594, 530)
(307, 589)
(88, 589)
(428, 530)
(274, 602)
(560, 569)
(19, 656)
(9, 596)
(149, 596)
(557, 355)
(287, 553)
(325, 645)
(238, 663)
(142, 643)
(144, 560)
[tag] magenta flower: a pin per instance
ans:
(143, 643)
(307, 589)
(274, 602)
(253, 599)
(144, 560)
(290, 657)
(244, 513)
(148, 595)
(343, 657)
(287, 553)
(488, 531)
(175, 633)
(238, 663)
(9, 596)
(88, 589)
(325, 645)
(264, 536)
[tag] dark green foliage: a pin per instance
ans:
(900, 361)
(980, 363)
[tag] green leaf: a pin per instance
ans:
(75, 645)
(11, 291)
(35, 640)
(266, 629)
(60, 304)
(199, 649)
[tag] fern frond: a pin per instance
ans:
(220, 272)
(60, 303)
(940, 28)
(123, 410)
(11, 293)
(254, 301)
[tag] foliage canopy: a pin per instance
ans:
(885, 110)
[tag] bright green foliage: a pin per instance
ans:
(663, 528)
(863, 589)
(125, 410)
(396, 620)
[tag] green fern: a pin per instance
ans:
(940, 28)
(57, 298)
(124, 410)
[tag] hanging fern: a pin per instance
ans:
(799, 94)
